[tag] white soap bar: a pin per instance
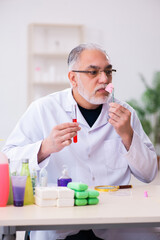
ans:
(65, 202)
(46, 192)
(45, 202)
(64, 192)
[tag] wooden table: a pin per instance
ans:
(116, 209)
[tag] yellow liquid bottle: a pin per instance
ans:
(28, 195)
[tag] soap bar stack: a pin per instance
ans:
(54, 196)
(82, 195)
(65, 197)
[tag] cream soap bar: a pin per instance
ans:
(45, 202)
(64, 192)
(65, 202)
(46, 192)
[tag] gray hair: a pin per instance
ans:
(76, 52)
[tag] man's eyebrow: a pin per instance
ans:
(93, 66)
(108, 66)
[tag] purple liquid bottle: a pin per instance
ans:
(18, 195)
(64, 179)
(18, 187)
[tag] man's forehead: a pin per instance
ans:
(93, 57)
(107, 66)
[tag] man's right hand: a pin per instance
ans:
(60, 137)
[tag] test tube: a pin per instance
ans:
(113, 95)
(74, 119)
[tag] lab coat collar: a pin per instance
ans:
(68, 108)
(69, 101)
(101, 120)
(103, 117)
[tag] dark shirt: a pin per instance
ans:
(90, 115)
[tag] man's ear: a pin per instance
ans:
(73, 78)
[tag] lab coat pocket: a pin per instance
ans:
(113, 157)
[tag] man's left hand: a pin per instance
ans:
(120, 118)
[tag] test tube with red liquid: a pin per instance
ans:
(74, 119)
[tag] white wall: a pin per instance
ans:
(128, 29)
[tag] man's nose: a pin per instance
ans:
(103, 77)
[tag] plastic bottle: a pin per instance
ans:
(34, 180)
(4, 180)
(43, 177)
(28, 195)
(10, 198)
(64, 179)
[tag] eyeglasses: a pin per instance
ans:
(95, 73)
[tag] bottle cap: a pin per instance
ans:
(25, 160)
(64, 172)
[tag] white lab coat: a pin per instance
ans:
(99, 157)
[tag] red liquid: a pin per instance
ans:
(4, 184)
(75, 140)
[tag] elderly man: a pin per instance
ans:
(111, 142)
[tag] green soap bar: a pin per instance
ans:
(81, 194)
(80, 202)
(77, 186)
(92, 193)
(92, 201)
